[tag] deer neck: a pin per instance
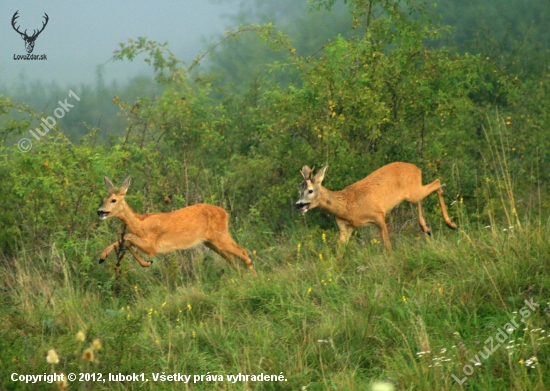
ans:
(333, 202)
(130, 218)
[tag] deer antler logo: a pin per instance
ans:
(29, 40)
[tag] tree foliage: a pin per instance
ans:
(380, 93)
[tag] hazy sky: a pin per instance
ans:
(81, 35)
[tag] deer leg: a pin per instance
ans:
(107, 251)
(136, 255)
(128, 244)
(383, 228)
(223, 254)
(421, 220)
(446, 218)
(225, 244)
(142, 244)
(430, 188)
(243, 255)
(345, 230)
(436, 186)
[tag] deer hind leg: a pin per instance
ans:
(421, 220)
(383, 228)
(436, 186)
(223, 254)
(446, 218)
(226, 246)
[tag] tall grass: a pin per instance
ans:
(326, 322)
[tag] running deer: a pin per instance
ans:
(155, 233)
(370, 199)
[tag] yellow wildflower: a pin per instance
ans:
(62, 384)
(52, 357)
(88, 355)
(96, 344)
(80, 336)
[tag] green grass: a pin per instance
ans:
(328, 318)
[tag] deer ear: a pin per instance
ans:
(124, 188)
(109, 185)
(318, 178)
(306, 172)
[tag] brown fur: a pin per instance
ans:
(369, 200)
(155, 233)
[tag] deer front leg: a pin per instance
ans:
(143, 245)
(140, 260)
(345, 234)
(345, 230)
(107, 251)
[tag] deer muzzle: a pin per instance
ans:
(303, 206)
(102, 214)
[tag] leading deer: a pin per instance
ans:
(155, 233)
(369, 200)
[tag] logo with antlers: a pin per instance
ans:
(29, 40)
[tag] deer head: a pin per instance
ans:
(29, 40)
(114, 203)
(311, 186)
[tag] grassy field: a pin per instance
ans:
(324, 317)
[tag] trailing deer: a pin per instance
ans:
(369, 200)
(155, 233)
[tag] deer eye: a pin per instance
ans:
(310, 191)
(113, 201)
